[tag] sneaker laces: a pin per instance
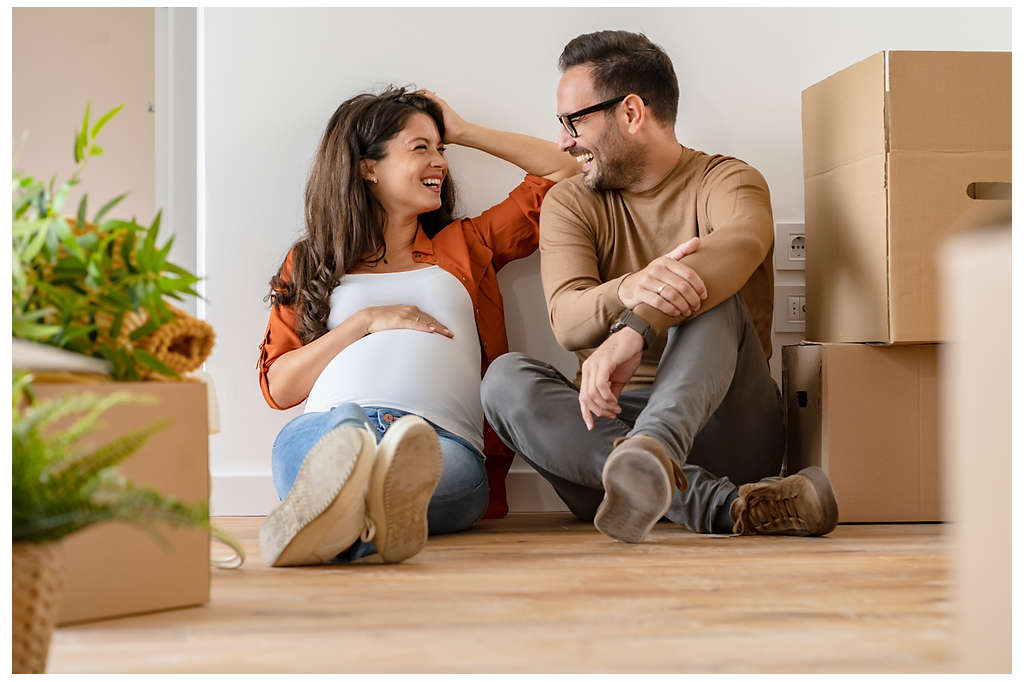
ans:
(369, 530)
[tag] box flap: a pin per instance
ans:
(844, 116)
(949, 101)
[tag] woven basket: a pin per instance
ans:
(36, 592)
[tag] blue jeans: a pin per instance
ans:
(458, 502)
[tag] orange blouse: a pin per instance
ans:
(472, 250)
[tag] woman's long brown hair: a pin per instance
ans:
(344, 221)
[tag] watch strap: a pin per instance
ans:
(637, 324)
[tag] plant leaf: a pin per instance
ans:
(107, 206)
(153, 362)
(104, 119)
(80, 218)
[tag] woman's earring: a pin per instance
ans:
(373, 180)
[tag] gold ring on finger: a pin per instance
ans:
(660, 289)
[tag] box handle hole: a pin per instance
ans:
(801, 398)
(989, 191)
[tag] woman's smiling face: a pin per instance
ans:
(410, 175)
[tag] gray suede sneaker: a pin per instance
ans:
(639, 481)
(801, 504)
(325, 511)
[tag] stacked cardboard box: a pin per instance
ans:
(896, 149)
(114, 569)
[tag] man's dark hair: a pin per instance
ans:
(622, 62)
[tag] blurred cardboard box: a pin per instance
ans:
(975, 413)
(895, 148)
(867, 415)
(116, 569)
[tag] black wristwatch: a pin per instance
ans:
(637, 324)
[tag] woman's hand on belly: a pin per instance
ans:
(384, 317)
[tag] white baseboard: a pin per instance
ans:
(242, 495)
(254, 495)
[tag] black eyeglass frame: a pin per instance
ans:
(567, 119)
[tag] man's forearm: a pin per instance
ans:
(725, 262)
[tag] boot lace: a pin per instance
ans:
(766, 513)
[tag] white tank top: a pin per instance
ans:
(424, 373)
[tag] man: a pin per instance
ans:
(656, 263)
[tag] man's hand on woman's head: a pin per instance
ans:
(384, 317)
(666, 284)
(454, 125)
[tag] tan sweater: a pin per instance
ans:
(589, 241)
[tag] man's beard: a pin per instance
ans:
(620, 165)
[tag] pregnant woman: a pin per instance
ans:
(384, 316)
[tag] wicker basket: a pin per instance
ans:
(37, 589)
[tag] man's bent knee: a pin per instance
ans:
(503, 379)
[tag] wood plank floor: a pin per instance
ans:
(546, 593)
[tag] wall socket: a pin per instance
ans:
(790, 246)
(790, 309)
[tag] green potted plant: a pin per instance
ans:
(59, 487)
(78, 283)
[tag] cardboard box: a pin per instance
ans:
(867, 415)
(116, 569)
(894, 149)
(976, 417)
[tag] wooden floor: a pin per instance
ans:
(546, 593)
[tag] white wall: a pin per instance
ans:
(273, 77)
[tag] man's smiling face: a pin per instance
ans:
(608, 160)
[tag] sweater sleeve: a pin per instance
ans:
(279, 338)
(581, 307)
(736, 229)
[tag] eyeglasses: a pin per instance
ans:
(567, 120)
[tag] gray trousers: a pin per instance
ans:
(713, 405)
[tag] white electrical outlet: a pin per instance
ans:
(790, 309)
(790, 246)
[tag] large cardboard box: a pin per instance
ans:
(115, 569)
(895, 148)
(867, 415)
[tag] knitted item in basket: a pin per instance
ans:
(36, 592)
(183, 344)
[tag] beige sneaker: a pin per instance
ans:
(639, 481)
(324, 512)
(407, 470)
(801, 504)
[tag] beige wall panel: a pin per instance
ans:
(61, 58)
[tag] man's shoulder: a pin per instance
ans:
(723, 164)
(570, 191)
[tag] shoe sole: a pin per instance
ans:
(826, 498)
(323, 512)
(407, 471)
(637, 493)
